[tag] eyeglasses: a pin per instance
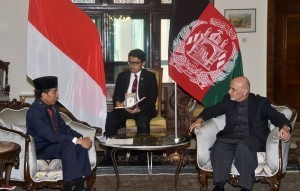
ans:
(134, 63)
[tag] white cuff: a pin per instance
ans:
(74, 140)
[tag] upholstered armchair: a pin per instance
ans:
(34, 174)
(158, 124)
(271, 164)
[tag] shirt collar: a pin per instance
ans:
(138, 74)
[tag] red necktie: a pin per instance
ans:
(52, 117)
(134, 84)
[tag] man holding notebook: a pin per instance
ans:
(134, 85)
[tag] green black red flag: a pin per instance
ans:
(204, 50)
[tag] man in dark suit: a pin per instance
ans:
(53, 138)
(146, 86)
(244, 134)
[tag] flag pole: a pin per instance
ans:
(175, 107)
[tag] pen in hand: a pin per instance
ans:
(119, 103)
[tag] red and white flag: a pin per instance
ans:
(63, 41)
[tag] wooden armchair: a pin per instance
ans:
(271, 164)
(32, 173)
(158, 124)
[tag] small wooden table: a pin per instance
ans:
(9, 157)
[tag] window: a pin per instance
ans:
(128, 1)
(129, 24)
(164, 45)
(126, 32)
(83, 1)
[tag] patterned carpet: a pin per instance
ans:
(186, 182)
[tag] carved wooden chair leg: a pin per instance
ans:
(203, 179)
(90, 181)
(274, 184)
(30, 188)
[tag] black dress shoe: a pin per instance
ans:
(82, 189)
(142, 158)
(244, 189)
(218, 189)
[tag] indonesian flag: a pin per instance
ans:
(63, 41)
(204, 50)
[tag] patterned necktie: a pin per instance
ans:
(52, 117)
(134, 84)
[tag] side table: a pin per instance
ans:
(9, 157)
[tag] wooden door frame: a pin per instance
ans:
(270, 50)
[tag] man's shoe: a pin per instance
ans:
(81, 189)
(142, 158)
(67, 186)
(218, 189)
(244, 189)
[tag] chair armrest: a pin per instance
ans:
(272, 150)
(90, 132)
(32, 160)
(25, 142)
(205, 136)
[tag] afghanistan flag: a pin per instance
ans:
(63, 41)
(204, 50)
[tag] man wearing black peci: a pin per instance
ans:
(54, 139)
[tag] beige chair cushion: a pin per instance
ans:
(54, 164)
(157, 126)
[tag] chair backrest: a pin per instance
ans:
(13, 113)
(10, 117)
(288, 112)
(158, 73)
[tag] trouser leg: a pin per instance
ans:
(143, 123)
(115, 120)
(112, 124)
(74, 158)
(222, 155)
(75, 161)
(246, 163)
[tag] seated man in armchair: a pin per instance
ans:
(53, 138)
(245, 132)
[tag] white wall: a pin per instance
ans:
(253, 45)
(13, 29)
(13, 32)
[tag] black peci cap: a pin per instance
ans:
(46, 82)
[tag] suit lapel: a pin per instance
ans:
(141, 80)
(127, 80)
(251, 108)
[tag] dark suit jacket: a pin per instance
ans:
(147, 87)
(259, 112)
(39, 126)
